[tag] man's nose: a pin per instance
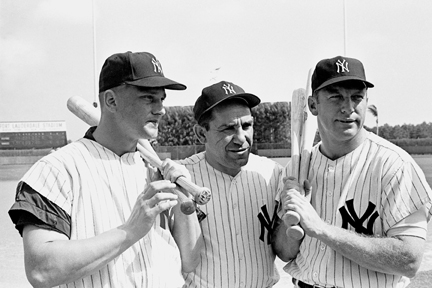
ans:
(240, 136)
(158, 108)
(347, 106)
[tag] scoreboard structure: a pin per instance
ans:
(32, 135)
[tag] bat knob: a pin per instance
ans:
(203, 197)
(291, 218)
(295, 232)
(187, 207)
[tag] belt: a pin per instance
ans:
(301, 284)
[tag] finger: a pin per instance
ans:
(292, 184)
(289, 206)
(290, 193)
(291, 178)
(294, 202)
(172, 171)
(165, 167)
(307, 188)
(164, 205)
(172, 174)
(157, 186)
(160, 198)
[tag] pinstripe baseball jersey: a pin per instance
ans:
(368, 191)
(98, 190)
(240, 216)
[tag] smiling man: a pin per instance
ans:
(366, 223)
(241, 214)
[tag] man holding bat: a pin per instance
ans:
(241, 214)
(366, 222)
(94, 214)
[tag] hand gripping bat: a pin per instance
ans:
(303, 130)
(90, 115)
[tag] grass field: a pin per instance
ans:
(11, 252)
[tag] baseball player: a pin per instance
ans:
(92, 214)
(241, 214)
(370, 203)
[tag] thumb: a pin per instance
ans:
(307, 188)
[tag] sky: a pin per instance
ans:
(51, 50)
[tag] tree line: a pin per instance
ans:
(272, 125)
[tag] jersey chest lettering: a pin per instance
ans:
(267, 223)
(350, 217)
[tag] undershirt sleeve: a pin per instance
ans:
(31, 208)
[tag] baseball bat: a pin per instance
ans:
(291, 218)
(303, 130)
(309, 129)
(86, 112)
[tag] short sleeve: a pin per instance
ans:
(31, 208)
(406, 192)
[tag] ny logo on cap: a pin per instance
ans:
(157, 66)
(228, 89)
(343, 65)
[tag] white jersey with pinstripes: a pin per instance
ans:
(98, 189)
(368, 191)
(237, 250)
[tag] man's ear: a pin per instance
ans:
(200, 133)
(312, 103)
(109, 98)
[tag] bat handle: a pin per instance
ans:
(202, 195)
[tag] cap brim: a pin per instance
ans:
(250, 99)
(157, 82)
(342, 79)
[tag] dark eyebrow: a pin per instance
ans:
(228, 125)
(331, 89)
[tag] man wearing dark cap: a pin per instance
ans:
(241, 214)
(365, 225)
(90, 213)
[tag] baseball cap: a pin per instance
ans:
(215, 94)
(138, 69)
(338, 69)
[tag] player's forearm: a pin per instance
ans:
(382, 254)
(188, 236)
(284, 247)
(51, 263)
